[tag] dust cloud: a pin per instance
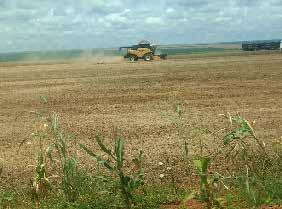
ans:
(98, 57)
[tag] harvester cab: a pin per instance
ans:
(144, 50)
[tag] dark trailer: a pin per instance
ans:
(261, 45)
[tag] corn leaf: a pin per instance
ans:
(106, 163)
(102, 146)
(186, 151)
(202, 164)
(119, 151)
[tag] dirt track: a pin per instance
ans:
(136, 99)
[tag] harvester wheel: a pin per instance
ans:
(132, 58)
(148, 57)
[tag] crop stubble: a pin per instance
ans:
(135, 100)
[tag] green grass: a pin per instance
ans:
(96, 193)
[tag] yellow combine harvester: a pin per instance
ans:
(144, 50)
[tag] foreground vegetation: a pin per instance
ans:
(249, 175)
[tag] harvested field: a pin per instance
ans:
(135, 100)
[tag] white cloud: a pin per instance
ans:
(223, 19)
(115, 17)
(30, 24)
(170, 10)
(154, 20)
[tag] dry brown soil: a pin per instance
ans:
(135, 100)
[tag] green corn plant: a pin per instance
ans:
(208, 184)
(40, 184)
(246, 151)
(51, 133)
(182, 135)
(241, 144)
(249, 189)
(115, 164)
(69, 165)
(236, 142)
(201, 165)
(243, 130)
(180, 123)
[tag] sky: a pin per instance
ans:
(28, 25)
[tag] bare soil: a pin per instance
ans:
(191, 204)
(136, 100)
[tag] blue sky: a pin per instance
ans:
(67, 24)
